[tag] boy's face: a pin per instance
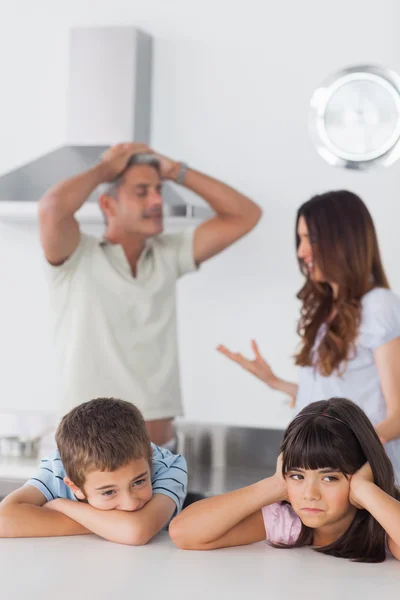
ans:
(127, 488)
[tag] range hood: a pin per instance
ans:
(109, 101)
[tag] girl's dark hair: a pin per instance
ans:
(345, 248)
(336, 434)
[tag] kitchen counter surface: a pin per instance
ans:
(89, 567)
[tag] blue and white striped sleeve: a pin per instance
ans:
(169, 475)
(49, 479)
(45, 481)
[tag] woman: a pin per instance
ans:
(333, 490)
(349, 321)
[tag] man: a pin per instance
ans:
(114, 298)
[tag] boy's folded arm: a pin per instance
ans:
(134, 528)
(23, 514)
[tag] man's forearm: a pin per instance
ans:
(226, 201)
(26, 520)
(67, 197)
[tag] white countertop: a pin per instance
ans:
(89, 567)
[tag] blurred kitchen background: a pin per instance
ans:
(231, 89)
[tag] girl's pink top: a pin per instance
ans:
(282, 525)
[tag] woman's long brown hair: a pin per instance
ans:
(345, 248)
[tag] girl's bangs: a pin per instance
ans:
(313, 447)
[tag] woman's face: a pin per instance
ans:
(305, 253)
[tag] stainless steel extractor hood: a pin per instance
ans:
(109, 101)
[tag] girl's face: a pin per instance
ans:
(305, 253)
(320, 498)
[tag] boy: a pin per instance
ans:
(105, 478)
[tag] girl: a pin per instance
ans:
(349, 321)
(333, 489)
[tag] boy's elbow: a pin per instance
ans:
(136, 536)
(138, 540)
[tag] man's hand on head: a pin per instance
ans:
(114, 160)
(169, 168)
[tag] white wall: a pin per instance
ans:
(232, 84)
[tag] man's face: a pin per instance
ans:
(137, 208)
(127, 488)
